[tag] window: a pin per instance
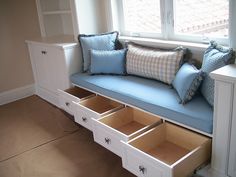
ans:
(142, 16)
(186, 20)
(206, 17)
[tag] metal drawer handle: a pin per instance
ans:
(108, 140)
(67, 104)
(44, 52)
(142, 169)
(84, 119)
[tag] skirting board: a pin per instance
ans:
(16, 94)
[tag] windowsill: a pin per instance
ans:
(164, 43)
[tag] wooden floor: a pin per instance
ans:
(39, 140)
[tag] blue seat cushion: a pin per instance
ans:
(152, 96)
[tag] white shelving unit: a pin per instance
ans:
(67, 17)
(56, 54)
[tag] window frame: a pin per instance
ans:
(167, 25)
(134, 34)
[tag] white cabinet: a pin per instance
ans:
(224, 135)
(68, 17)
(232, 150)
(52, 65)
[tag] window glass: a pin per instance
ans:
(142, 16)
(201, 17)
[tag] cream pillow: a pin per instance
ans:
(153, 63)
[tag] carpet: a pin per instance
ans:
(40, 140)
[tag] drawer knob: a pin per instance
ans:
(84, 119)
(107, 140)
(44, 52)
(142, 169)
(67, 104)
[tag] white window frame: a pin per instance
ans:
(167, 22)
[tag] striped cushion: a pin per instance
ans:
(152, 63)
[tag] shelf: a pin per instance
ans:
(54, 5)
(58, 12)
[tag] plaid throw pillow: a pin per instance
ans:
(152, 63)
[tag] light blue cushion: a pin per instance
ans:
(106, 41)
(187, 81)
(150, 95)
(214, 57)
(108, 62)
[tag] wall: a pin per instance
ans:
(18, 22)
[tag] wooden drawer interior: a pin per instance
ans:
(129, 120)
(79, 92)
(169, 143)
(101, 104)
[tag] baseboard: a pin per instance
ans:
(51, 97)
(16, 94)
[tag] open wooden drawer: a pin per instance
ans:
(94, 107)
(166, 151)
(123, 124)
(75, 94)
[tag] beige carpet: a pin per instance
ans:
(39, 140)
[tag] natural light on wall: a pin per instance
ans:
(202, 17)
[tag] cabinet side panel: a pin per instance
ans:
(232, 152)
(73, 60)
(221, 130)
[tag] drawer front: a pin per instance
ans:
(139, 166)
(66, 100)
(106, 139)
(83, 118)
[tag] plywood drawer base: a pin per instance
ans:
(76, 94)
(94, 107)
(124, 125)
(167, 150)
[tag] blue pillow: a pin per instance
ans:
(108, 62)
(214, 57)
(106, 41)
(187, 81)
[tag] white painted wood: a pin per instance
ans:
(224, 149)
(134, 156)
(221, 129)
(52, 66)
(61, 42)
(135, 107)
(47, 95)
(55, 17)
(105, 138)
(74, 94)
(66, 100)
(225, 74)
(196, 48)
(134, 161)
(82, 117)
(232, 150)
(16, 94)
(67, 17)
(115, 135)
(84, 113)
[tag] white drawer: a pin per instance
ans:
(140, 167)
(167, 150)
(107, 140)
(94, 107)
(83, 118)
(75, 94)
(124, 125)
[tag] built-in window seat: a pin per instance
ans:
(152, 96)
